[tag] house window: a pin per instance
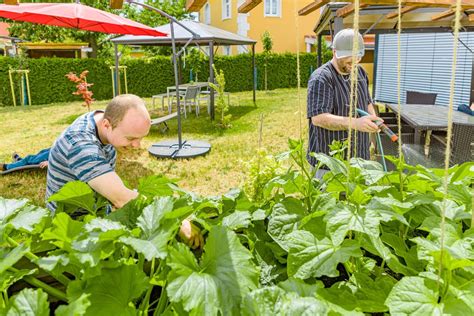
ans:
(227, 50)
(207, 14)
(273, 8)
(226, 9)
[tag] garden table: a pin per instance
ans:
(429, 118)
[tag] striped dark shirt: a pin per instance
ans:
(78, 154)
(329, 92)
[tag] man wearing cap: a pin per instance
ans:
(329, 90)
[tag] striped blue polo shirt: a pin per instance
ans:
(329, 92)
(78, 154)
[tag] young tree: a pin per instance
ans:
(267, 43)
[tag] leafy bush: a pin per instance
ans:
(354, 244)
(147, 77)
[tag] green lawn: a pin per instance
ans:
(27, 130)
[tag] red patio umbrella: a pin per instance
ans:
(75, 15)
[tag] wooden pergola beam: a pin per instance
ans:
(248, 5)
(313, 6)
(348, 10)
(443, 15)
(195, 5)
(116, 4)
(404, 10)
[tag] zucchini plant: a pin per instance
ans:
(351, 243)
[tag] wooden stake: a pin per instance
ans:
(116, 4)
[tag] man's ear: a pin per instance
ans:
(106, 123)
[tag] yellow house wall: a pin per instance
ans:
(283, 29)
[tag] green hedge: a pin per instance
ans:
(48, 83)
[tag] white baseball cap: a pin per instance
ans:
(344, 41)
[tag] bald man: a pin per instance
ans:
(86, 150)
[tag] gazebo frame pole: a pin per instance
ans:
(211, 78)
(320, 50)
(117, 75)
(254, 74)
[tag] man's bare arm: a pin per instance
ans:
(339, 123)
(111, 187)
(371, 109)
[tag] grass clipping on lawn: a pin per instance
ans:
(27, 130)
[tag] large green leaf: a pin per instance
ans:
(414, 296)
(358, 197)
(129, 213)
(157, 230)
(75, 308)
(155, 186)
(8, 278)
(372, 171)
(309, 257)
(225, 274)
(345, 218)
(370, 294)
(285, 218)
(237, 220)
(75, 193)
(376, 246)
(29, 218)
(335, 165)
(29, 302)
(111, 292)
(401, 249)
(265, 301)
(463, 172)
(300, 287)
(9, 258)
(63, 231)
(452, 210)
(10, 207)
(275, 301)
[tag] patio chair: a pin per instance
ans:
(161, 96)
(415, 97)
(188, 98)
(462, 143)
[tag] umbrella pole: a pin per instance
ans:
(169, 148)
(176, 83)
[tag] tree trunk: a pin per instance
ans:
(92, 40)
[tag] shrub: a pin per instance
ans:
(147, 77)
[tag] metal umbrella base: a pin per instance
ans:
(170, 149)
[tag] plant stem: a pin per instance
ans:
(34, 258)
(472, 205)
(163, 301)
(47, 288)
(146, 300)
(4, 299)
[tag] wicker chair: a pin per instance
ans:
(462, 143)
(415, 97)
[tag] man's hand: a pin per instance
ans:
(366, 124)
(43, 164)
(191, 235)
